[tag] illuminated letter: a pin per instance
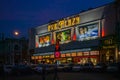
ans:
(73, 21)
(49, 26)
(77, 20)
(69, 22)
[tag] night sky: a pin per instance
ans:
(21, 15)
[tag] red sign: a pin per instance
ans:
(57, 54)
(57, 50)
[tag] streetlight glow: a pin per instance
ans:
(16, 33)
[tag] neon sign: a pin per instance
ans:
(67, 22)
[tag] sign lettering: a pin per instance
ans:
(64, 23)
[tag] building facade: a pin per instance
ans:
(91, 35)
(13, 51)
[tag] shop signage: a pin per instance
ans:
(108, 43)
(57, 50)
(106, 47)
(66, 22)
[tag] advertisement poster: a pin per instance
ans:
(88, 32)
(63, 36)
(42, 41)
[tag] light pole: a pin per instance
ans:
(16, 34)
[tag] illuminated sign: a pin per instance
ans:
(42, 41)
(87, 32)
(57, 50)
(64, 36)
(57, 54)
(64, 23)
(106, 47)
(108, 42)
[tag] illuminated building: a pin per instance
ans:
(89, 35)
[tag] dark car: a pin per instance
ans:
(60, 67)
(21, 70)
(68, 67)
(77, 67)
(100, 67)
(113, 67)
(88, 67)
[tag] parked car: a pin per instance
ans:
(47, 68)
(60, 67)
(88, 67)
(21, 70)
(113, 67)
(77, 67)
(8, 69)
(68, 67)
(50, 68)
(100, 67)
(38, 68)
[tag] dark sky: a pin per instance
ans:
(21, 15)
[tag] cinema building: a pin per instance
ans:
(89, 35)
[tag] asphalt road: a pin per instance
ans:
(67, 76)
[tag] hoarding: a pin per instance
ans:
(64, 35)
(42, 41)
(87, 32)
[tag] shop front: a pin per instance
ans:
(108, 50)
(71, 56)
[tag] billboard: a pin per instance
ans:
(87, 32)
(64, 35)
(42, 40)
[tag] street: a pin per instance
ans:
(67, 76)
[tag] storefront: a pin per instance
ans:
(108, 49)
(81, 38)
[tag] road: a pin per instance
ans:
(67, 76)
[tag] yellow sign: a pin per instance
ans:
(64, 23)
(108, 41)
(106, 47)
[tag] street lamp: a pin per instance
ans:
(16, 47)
(16, 33)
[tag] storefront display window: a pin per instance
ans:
(62, 55)
(39, 57)
(94, 52)
(73, 54)
(86, 53)
(68, 55)
(79, 54)
(52, 56)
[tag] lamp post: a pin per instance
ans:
(16, 34)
